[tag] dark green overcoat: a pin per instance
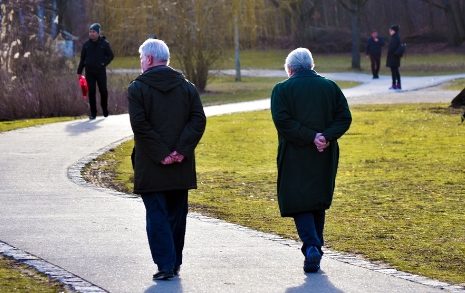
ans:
(302, 106)
(166, 115)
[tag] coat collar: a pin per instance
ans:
(305, 73)
(157, 68)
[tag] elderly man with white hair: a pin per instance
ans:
(168, 121)
(310, 114)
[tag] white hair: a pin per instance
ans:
(299, 59)
(157, 49)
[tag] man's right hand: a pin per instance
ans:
(320, 142)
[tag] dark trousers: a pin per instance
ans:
(166, 214)
(93, 79)
(395, 75)
(375, 64)
(310, 226)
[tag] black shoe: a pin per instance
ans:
(176, 271)
(375, 77)
(312, 260)
(92, 117)
(311, 267)
(162, 275)
(105, 113)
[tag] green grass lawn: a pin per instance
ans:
(224, 89)
(18, 278)
(399, 194)
(427, 64)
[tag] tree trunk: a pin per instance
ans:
(408, 17)
(431, 14)
(355, 40)
(459, 21)
(453, 37)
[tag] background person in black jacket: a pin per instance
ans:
(393, 57)
(374, 46)
(96, 54)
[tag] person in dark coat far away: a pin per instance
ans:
(96, 54)
(168, 121)
(310, 114)
(459, 102)
(393, 57)
(373, 51)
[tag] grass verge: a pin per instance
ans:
(15, 277)
(17, 124)
(399, 195)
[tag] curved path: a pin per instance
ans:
(93, 239)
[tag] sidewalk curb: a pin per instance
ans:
(53, 272)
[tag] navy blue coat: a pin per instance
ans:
(166, 115)
(374, 48)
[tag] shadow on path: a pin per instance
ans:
(315, 283)
(83, 126)
(173, 286)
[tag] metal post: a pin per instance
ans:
(236, 40)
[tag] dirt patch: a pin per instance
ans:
(98, 174)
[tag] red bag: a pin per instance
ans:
(83, 84)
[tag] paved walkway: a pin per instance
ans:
(93, 239)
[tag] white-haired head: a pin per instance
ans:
(157, 49)
(299, 59)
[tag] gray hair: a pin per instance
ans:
(157, 49)
(299, 59)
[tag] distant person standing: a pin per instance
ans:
(168, 121)
(310, 114)
(96, 54)
(373, 50)
(394, 55)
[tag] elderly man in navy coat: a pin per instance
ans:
(168, 121)
(310, 113)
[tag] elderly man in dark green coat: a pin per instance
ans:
(310, 113)
(168, 121)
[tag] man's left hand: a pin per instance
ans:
(177, 157)
(320, 142)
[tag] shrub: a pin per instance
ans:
(36, 80)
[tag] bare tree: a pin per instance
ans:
(197, 35)
(35, 80)
(298, 17)
(199, 31)
(455, 23)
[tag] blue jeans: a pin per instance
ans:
(166, 214)
(310, 227)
